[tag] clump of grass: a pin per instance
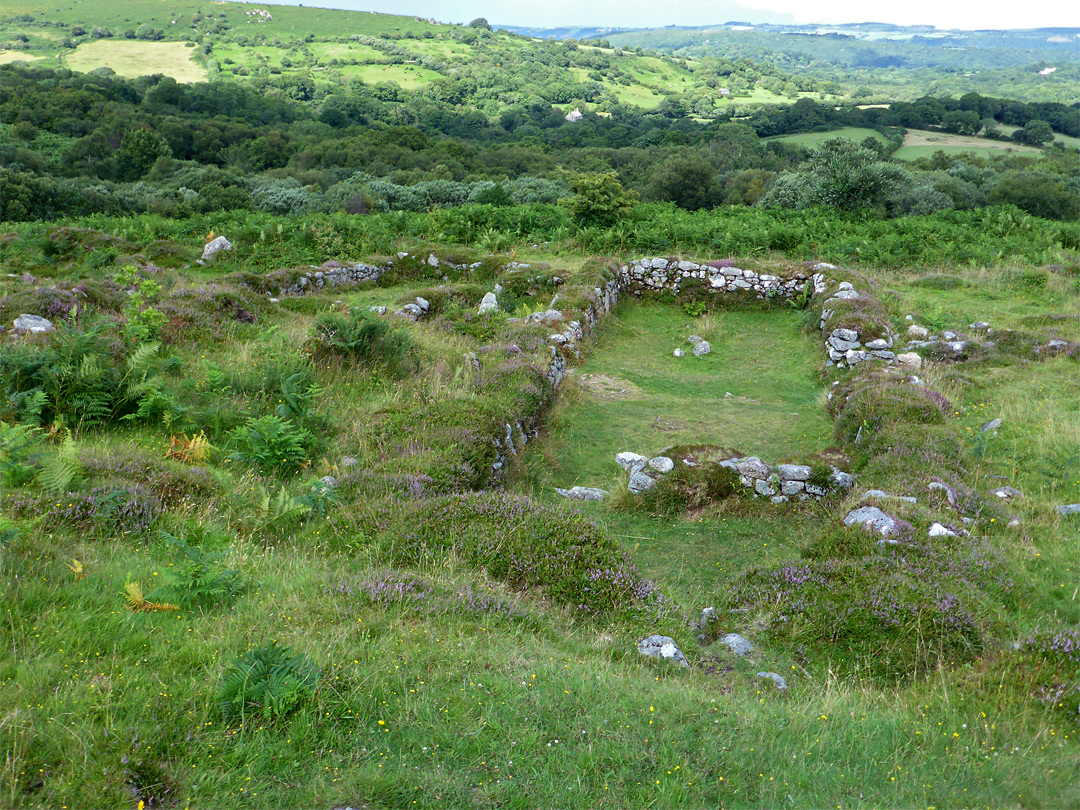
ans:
(362, 339)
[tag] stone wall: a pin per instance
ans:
(780, 483)
(671, 275)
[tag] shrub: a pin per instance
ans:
(359, 338)
(270, 681)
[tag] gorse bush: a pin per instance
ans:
(360, 338)
(268, 682)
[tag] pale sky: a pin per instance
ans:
(967, 14)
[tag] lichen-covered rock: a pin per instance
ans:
(873, 519)
(34, 324)
(781, 684)
(753, 467)
(662, 647)
(212, 248)
(640, 481)
(794, 472)
(662, 464)
(701, 349)
(583, 493)
(631, 461)
(910, 360)
(737, 644)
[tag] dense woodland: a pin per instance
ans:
(77, 144)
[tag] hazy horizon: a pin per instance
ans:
(964, 15)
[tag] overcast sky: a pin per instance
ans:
(967, 14)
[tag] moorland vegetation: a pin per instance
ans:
(279, 521)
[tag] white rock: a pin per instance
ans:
(679, 353)
(701, 349)
(693, 340)
(662, 464)
(34, 324)
(631, 461)
(662, 647)
(937, 530)
(489, 303)
(918, 332)
(215, 246)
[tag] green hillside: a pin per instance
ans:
(237, 40)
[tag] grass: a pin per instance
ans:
(632, 394)
(479, 694)
(409, 77)
(17, 56)
(811, 140)
(137, 59)
(921, 143)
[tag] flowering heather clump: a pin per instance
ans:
(413, 593)
(124, 510)
(719, 264)
(527, 546)
(389, 588)
(1056, 679)
(1062, 646)
(201, 311)
(866, 410)
(171, 483)
(904, 607)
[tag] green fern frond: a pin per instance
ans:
(270, 681)
(62, 470)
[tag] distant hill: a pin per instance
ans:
(302, 49)
(882, 60)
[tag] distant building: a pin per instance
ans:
(1047, 71)
(724, 91)
(573, 115)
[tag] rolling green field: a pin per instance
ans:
(812, 140)
(920, 143)
(137, 59)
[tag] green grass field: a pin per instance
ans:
(921, 143)
(632, 394)
(137, 59)
(811, 140)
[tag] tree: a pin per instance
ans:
(848, 177)
(688, 181)
(480, 22)
(599, 198)
(1035, 133)
(139, 150)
